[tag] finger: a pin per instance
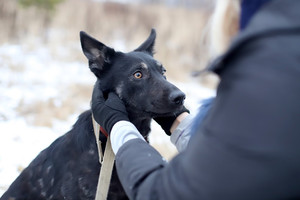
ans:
(115, 102)
(113, 96)
(97, 101)
(97, 96)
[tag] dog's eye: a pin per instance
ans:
(138, 75)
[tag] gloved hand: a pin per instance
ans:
(108, 111)
(167, 121)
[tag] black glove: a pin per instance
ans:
(167, 121)
(108, 111)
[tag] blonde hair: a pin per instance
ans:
(224, 25)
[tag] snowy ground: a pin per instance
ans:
(34, 87)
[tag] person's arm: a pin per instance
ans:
(124, 131)
(180, 131)
(247, 146)
(182, 127)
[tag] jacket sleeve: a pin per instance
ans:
(181, 135)
(248, 145)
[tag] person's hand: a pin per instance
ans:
(166, 122)
(108, 111)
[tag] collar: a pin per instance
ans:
(103, 131)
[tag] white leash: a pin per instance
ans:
(107, 162)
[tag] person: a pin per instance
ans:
(248, 144)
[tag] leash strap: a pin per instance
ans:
(107, 162)
(96, 127)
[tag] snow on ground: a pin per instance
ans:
(29, 75)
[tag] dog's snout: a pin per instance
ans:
(177, 97)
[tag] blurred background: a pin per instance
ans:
(45, 82)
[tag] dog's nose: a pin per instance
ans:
(177, 97)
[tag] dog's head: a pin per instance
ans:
(136, 77)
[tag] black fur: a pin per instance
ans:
(69, 167)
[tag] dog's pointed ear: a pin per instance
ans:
(97, 53)
(148, 45)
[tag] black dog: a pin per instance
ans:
(69, 167)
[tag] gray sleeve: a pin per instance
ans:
(181, 136)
